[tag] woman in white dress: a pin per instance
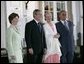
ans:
(13, 44)
(53, 52)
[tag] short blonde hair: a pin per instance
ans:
(47, 12)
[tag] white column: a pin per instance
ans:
(66, 5)
(3, 24)
(81, 21)
(43, 10)
(8, 12)
(55, 11)
(66, 9)
(74, 13)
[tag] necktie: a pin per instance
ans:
(65, 23)
(39, 26)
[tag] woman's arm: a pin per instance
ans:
(9, 43)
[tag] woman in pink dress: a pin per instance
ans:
(53, 52)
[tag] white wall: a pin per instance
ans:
(3, 24)
(32, 5)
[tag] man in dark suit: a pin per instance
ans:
(65, 29)
(35, 38)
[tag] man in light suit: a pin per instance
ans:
(65, 29)
(35, 38)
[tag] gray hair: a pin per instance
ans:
(35, 12)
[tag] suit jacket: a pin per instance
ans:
(34, 38)
(66, 36)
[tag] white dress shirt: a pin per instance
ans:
(36, 21)
(66, 23)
